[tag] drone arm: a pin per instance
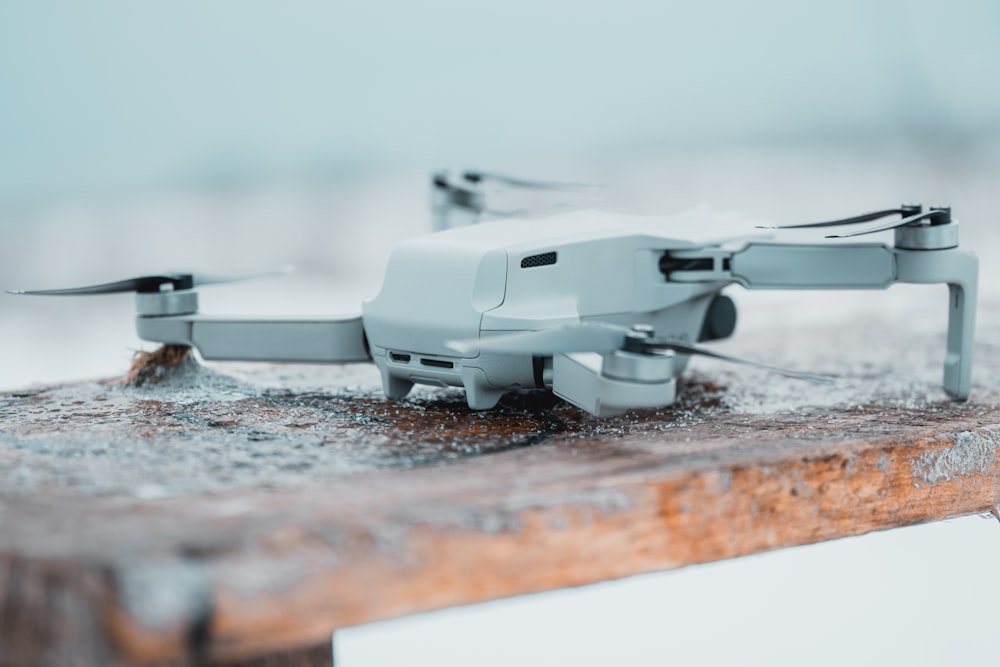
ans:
(787, 266)
(314, 340)
(849, 266)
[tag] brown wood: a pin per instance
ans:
(320, 655)
(237, 513)
(545, 499)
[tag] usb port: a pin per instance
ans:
(436, 363)
(399, 357)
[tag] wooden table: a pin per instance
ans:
(240, 514)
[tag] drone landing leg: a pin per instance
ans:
(960, 271)
(480, 395)
(854, 266)
(395, 387)
(582, 379)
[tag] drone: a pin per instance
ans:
(603, 309)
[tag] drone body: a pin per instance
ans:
(603, 309)
(509, 276)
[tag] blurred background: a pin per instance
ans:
(239, 136)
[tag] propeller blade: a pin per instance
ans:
(137, 284)
(200, 279)
(905, 210)
(687, 348)
(151, 283)
(602, 337)
(583, 337)
(480, 176)
(943, 215)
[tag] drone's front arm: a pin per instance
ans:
(849, 266)
(312, 340)
(786, 266)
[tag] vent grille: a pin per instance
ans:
(437, 363)
(545, 259)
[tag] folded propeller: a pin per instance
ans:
(465, 193)
(487, 176)
(601, 337)
(152, 284)
(913, 214)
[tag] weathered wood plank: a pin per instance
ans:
(303, 511)
(234, 512)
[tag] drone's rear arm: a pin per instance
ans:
(314, 340)
(849, 266)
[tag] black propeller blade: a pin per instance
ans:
(905, 210)
(685, 348)
(481, 176)
(458, 196)
(463, 193)
(935, 216)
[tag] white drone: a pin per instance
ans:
(602, 309)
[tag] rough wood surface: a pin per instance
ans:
(236, 513)
(225, 515)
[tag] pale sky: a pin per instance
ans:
(113, 94)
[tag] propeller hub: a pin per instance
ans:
(171, 281)
(637, 337)
(167, 302)
(938, 232)
(642, 331)
(942, 215)
(639, 367)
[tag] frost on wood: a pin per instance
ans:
(971, 453)
(178, 427)
(260, 506)
(189, 428)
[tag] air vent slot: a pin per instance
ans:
(545, 259)
(437, 363)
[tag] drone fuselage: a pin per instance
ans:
(601, 308)
(523, 275)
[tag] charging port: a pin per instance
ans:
(399, 357)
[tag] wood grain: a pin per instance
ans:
(419, 505)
